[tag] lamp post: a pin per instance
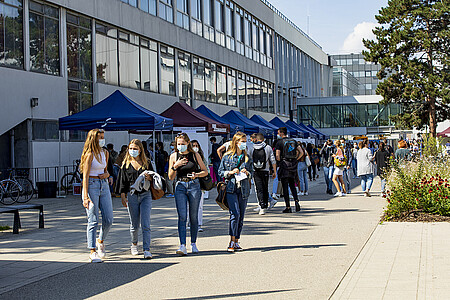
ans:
(291, 112)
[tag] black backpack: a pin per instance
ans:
(290, 149)
(259, 159)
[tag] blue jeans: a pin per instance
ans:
(100, 196)
(383, 185)
(275, 184)
(328, 174)
(187, 192)
(346, 179)
(366, 182)
(354, 165)
(139, 208)
(302, 170)
(237, 206)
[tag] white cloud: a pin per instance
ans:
(353, 42)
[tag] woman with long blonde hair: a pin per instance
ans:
(236, 168)
(340, 165)
(187, 166)
(138, 203)
(96, 194)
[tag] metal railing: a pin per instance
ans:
(281, 15)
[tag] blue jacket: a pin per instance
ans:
(229, 163)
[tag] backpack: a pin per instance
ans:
(259, 159)
(290, 149)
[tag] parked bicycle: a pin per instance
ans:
(70, 178)
(20, 176)
(9, 191)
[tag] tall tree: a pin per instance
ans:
(412, 45)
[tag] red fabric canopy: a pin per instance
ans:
(445, 133)
(185, 116)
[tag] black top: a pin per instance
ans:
(382, 160)
(188, 168)
(127, 177)
(214, 156)
(279, 146)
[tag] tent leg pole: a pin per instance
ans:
(154, 145)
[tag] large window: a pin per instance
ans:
(129, 60)
(232, 88)
(199, 78)
(264, 96)
(196, 14)
(184, 75)
(271, 96)
(221, 85)
(148, 6)
(269, 48)
(79, 47)
(106, 54)
(230, 31)
(241, 91)
(210, 81)
(239, 17)
(131, 2)
(250, 93)
(255, 39)
(219, 22)
(167, 70)
(248, 35)
(44, 38)
(208, 20)
(149, 65)
(11, 34)
(166, 10)
(183, 14)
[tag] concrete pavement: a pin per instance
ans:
(301, 255)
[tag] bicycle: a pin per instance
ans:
(70, 178)
(25, 184)
(9, 191)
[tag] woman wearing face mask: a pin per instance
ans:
(236, 162)
(139, 204)
(186, 165)
(96, 194)
(196, 147)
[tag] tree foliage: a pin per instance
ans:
(412, 46)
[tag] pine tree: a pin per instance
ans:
(412, 46)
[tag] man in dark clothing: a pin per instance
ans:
(287, 170)
(215, 159)
(161, 158)
(327, 152)
(349, 156)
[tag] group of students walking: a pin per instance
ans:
(186, 165)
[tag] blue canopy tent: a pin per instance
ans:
(306, 133)
(321, 135)
(249, 126)
(308, 129)
(293, 132)
(116, 112)
(212, 115)
(259, 120)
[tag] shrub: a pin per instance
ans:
(419, 186)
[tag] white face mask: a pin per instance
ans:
(242, 146)
(133, 153)
(182, 148)
(195, 149)
(279, 136)
(101, 142)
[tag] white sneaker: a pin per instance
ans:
(257, 209)
(301, 194)
(194, 248)
(338, 194)
(134, 249)
(291, 197)
(344, 194)
(200, 229)
(272, 203)
(100, 249)
(94, 258)
(262, 211)
(275, 196)
(182, 250)
(147, 255)
(306, 194)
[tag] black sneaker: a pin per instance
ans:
(297, 207)
(287, 210)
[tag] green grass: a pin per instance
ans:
(6, 227)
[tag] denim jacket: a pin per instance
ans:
(228, 164)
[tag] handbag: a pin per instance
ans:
(156, 194)
(221, 198)
(307, 161)
(206, 182)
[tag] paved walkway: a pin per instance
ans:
(302, 255)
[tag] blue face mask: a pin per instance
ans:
(182, 148)
(242, 146)
(279, 136)
(133, 153)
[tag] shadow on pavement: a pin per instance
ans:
(235, 295)
(86, 281)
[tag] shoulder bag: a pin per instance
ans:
(221, 198)
(206, 182)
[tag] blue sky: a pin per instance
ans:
(337, 25)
